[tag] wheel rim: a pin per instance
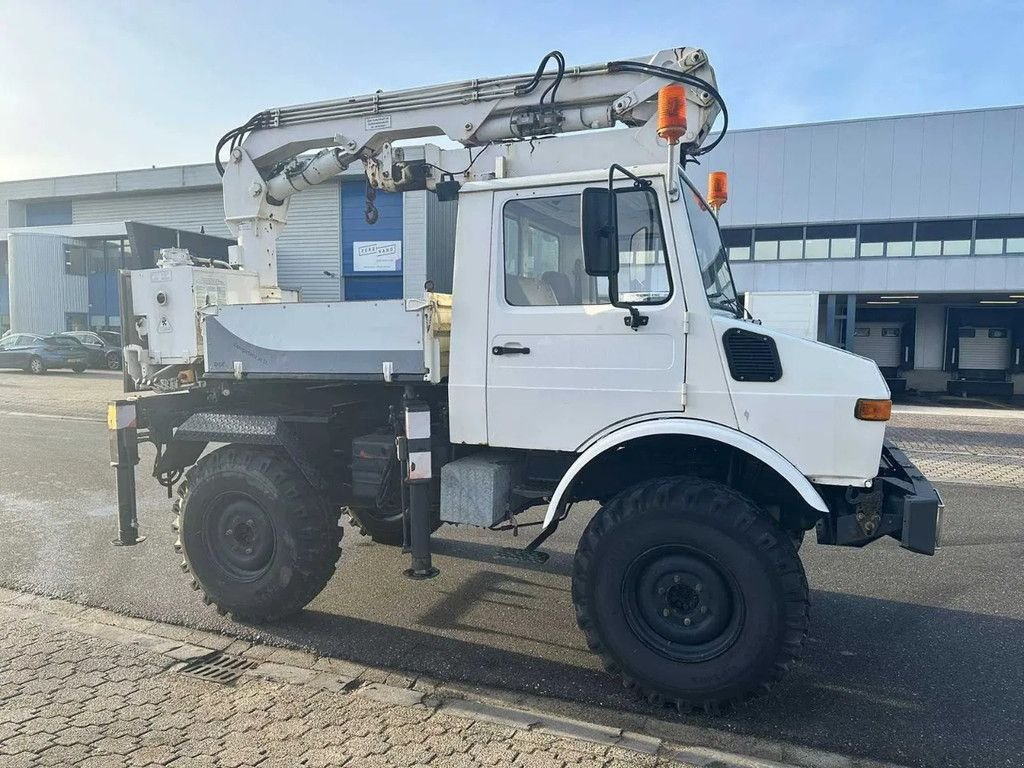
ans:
(114, 362)
(37, 366)
(240, 536)
(682, 603)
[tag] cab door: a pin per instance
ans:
(563, 364)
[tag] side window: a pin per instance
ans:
(643, 267)
(544, 253)
(6, 342)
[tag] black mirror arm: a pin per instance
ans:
(634, 320)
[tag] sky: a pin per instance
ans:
(99, 85)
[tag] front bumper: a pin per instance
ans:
(900, 503)
(908, 494)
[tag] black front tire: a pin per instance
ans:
(37, 366)
(259, 541)
(691, 593)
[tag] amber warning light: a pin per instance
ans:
(672, 113)
(718, 189)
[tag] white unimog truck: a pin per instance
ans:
(592, 348)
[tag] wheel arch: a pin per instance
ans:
(683, 428)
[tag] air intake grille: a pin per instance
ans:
(751, 356)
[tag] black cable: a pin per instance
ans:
(686, 79)
(530, 87)
(236, 136)
(472, 161)
(553, 88)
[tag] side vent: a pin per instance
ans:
(751, 356)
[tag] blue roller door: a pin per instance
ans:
(363, 286)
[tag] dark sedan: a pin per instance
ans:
(37, 354)
(104, 348)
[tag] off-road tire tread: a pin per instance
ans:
(382, 534)
(701, 497)
(321, 533)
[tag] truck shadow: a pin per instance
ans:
(892, 681)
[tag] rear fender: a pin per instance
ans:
(695, 428)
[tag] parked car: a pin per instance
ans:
(104, 348)
(37, 353)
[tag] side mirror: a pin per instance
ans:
(598, 219)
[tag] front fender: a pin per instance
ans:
(694, 428)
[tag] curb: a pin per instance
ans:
(179, 645)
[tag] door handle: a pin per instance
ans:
(506, 350)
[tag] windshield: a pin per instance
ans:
(711, 254)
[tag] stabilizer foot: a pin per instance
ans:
(415, 575)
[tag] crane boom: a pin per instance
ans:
(269, 160)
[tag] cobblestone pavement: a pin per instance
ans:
(75, 691)
(963, 445)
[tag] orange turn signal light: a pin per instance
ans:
(672, 112)
(873, 410)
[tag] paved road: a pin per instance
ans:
(79, 688)
(913, 660)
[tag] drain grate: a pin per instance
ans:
(219, 667)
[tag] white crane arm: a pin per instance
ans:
(267, 161)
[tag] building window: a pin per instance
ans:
(837, 241)
(943, 238)
(75, 260)
(997, 236)
(893, 239)
(4, 269)
(76, 321)
(737, 243)
(48, 213)
(783, 243)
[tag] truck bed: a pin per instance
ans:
(357, 340)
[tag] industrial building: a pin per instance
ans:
(63, 239)
(907, 231)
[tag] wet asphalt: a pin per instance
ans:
(913, 660)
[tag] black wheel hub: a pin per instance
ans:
(682, 603)
(240, 536)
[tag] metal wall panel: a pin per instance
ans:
(192, 210)
(876, 194)
(851, 149)
(310, 245)
(414, 243)
(40, 292)
(770, 167)
(796, 174)
(908, 140)
(965, 178)
(742, 176)
(822, 193)
(929, 338)
(441, 221)
(995, 166)
(1017, 165)
(936, 157)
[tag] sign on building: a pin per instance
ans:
(377, 256)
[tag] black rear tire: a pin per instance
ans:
(691, 593)
(384, 526)
(113, 361)
(259, 541)
(37, 366)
